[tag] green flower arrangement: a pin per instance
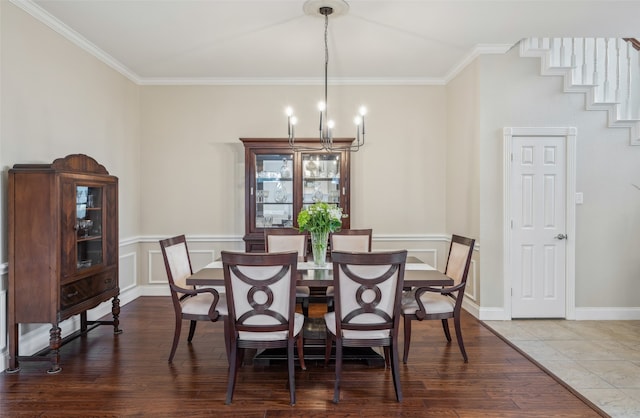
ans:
(320, 217)
(319, 220)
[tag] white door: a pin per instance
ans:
(538, 217)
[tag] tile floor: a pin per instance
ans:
(598, 359)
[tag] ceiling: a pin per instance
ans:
(275, 42)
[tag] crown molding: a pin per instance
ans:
(292, 81)
(52, 22)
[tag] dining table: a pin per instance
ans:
(417, 274)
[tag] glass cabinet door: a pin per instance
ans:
(274, 191)
(89, 249)
(320, 178)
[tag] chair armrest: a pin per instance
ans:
(213, 312)
(447, 291)
(442, 290)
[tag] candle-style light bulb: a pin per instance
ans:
(294, 120)
(357, 120)
(363, 111)
(330, 125)
(322, 106)
(289, 112)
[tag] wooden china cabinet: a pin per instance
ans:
(279, 182)
(63, 249)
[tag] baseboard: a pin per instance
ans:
(581, 314)
(154, 290)
(493, 314)
(607, 314)
(471, 307)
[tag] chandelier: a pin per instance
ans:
(326, 8)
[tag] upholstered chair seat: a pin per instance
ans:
(433, 303)
(199, 305)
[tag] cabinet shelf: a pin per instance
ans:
(90, 238)
(264, 179)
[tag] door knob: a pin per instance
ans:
(561, 236)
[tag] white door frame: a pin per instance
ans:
(569, 134)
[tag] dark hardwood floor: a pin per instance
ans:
(128, 375)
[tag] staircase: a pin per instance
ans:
(606, 70)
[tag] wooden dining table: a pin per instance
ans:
(417, 274)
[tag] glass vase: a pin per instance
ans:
(319, 240)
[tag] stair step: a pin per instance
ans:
(556, 59)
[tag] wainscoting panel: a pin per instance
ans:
(128, 270)
(471, 290)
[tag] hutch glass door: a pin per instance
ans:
(274, 191)
(321, 178)
(88, 226)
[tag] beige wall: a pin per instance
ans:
(55, 100)
(59, 100)
(514, 94)
(463, 164)
(193, 171)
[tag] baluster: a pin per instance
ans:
(562, 52)
(584, 61)
(617, 42)
(595, 61)
(573, 52)
(553, 48)
(606, 70)
(628, 99)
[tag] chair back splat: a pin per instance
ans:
(349, 240)
(288, 239)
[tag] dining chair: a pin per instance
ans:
(260, 289)
(441, 302)
(350, 240)
(189, 303)
(287, 239)
(368, 292)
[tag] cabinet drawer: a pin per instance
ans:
(81, 290)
